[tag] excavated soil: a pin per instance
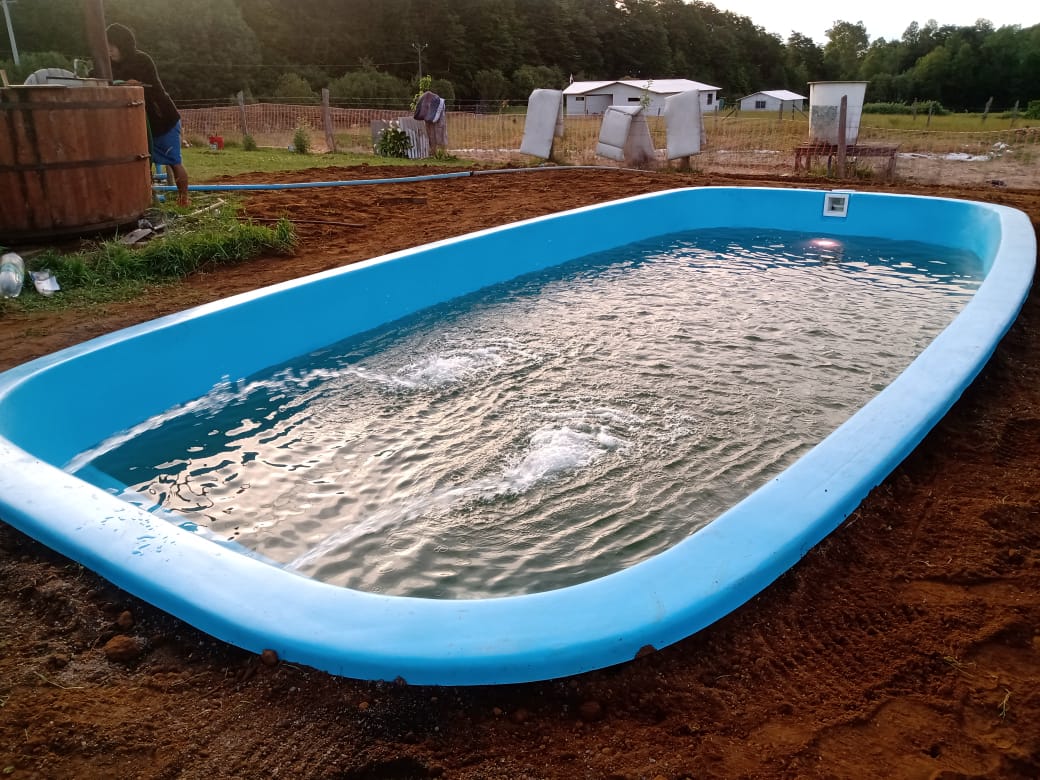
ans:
(906, 645)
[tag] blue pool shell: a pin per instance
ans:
(58, 406)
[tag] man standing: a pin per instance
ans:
(164, 122)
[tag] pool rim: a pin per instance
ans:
(532, 636)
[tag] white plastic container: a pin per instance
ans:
(12, 275)
(825, 105)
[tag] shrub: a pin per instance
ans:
(33, 61)
(248, 143)
(370, 87)
(301, 140)
(393, 141)
(294, 89)
(904, 108)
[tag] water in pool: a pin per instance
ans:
(554, 429)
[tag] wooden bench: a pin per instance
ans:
(806, 152)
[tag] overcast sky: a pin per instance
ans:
(882, 18)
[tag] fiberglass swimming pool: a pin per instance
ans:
(238, 596)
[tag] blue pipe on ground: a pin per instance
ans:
(396, 180)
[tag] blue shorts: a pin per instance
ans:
(166, 148)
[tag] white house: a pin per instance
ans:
(593, 97)
(774, 100)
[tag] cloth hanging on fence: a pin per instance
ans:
(430, 107)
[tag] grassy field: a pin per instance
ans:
(205, 165)
(947, 123)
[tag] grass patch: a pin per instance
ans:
(112, 271)
(205, 165)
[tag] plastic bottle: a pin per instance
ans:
(12, 275)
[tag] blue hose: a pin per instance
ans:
(398, 180)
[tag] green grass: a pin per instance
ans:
(112, 271)
(949, 123)
(205, 165)
(109, 271)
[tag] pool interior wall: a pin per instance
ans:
(62, 404)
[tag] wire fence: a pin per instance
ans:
(738, 143)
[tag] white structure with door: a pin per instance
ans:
(593, 97)
(773, 100)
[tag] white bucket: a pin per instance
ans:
(825, 105)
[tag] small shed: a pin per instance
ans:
(773, 100)
(593, 97)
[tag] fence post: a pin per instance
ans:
(326, 119)
(242, 113)
(843, 111)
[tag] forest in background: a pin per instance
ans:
(370, 52)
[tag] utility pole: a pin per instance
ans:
(10, 31)
(419, 48)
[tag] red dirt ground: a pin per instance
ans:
(906, 645)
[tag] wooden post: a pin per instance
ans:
(985, 111)
(326, 118)
(242, 113)
(843, 110)
(94, 18)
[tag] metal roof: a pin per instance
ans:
(779, 94)
(657, 86)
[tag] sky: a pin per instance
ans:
(882, 18)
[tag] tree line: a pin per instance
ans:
(367, 51)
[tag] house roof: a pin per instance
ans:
(657, 86)
(779, 94)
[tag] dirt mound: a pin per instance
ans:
(907, 644)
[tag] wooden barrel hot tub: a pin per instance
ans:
(73, 160)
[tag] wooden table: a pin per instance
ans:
(806, 152)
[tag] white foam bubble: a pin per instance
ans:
(443, 368)
(551, 451)
(556, 450)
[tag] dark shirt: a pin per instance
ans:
(158, 105)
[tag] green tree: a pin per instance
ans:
(46, 25)
(930, 73)
(528, 78)
(803, 59)
(202, 48)
(444, 88)
(293, 88)
(491, 85)
(878, 66)
(847, 43)
(369, 86)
